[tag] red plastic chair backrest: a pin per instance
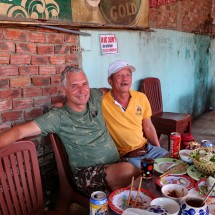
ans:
(62, 162)
(152, 88)
(68, 193)
(20, 180)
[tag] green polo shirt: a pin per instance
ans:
(84, 134)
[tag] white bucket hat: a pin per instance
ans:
(118, 65)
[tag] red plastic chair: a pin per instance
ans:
(164, 122)
(20, 181)
(68, 193)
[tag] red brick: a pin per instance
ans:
(10, 94)
(32, 92)
(45, 49)
(20, 82)
(47, 70)
(59, 69)
(40, 60)
(72, 39)
(50, 91)
(41, 81)
(13, 34)
(55, 38)
(36, 37)
(12, 116)
(26, 48)
(32, 114)
(55, 79)
(22, 104)
(59, 49)
(8, 70)
(5, 105)
(1, 34)
(72, 59)
(75, 48)
(4, 83)
(4, 58)
(20, 59)
(58, 99)
(39, 101)
(7, 46)
(28, 70)
(56, 60)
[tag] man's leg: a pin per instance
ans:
(155, 152)
(135, 161)
(152, 152)
(120, 174)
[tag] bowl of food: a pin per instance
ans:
(185, 155)
(170, 205)
(204, 160)
(176, 192)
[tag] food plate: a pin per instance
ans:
(117, 200)
(201, 187)
(194, 173)
(185, 180)
(161, 165)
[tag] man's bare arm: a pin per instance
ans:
(18, 132)
(150, 132)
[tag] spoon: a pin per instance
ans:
(208, 194)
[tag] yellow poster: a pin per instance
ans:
(115, 12)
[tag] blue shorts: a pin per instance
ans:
(152, 152)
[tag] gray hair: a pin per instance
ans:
(67, 70)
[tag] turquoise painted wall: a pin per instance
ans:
(183, 62)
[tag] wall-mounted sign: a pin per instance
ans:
(108, 44)
(115, 12)
(40, 9)
(121, 12)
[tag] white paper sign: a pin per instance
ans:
(108, 44)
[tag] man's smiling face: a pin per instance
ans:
(77, 91)
(121, 81)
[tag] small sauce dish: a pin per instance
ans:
(176, 192)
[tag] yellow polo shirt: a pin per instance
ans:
(126, 127)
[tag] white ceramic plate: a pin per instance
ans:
(161, 165)
(185, 180)
(201, 186)
(194, 173)
(117, 200)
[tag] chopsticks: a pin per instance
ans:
(138, 191)
(129, 196)
(174, 169)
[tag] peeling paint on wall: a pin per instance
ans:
(201, 60)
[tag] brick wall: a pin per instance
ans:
(31, 60)
(184, 15)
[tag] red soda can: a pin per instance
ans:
(175, 142)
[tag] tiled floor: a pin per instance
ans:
(203, 127)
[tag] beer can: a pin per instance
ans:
(206, 143)
(175, 142)
(98, 203)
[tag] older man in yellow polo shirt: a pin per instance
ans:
(128, 116)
